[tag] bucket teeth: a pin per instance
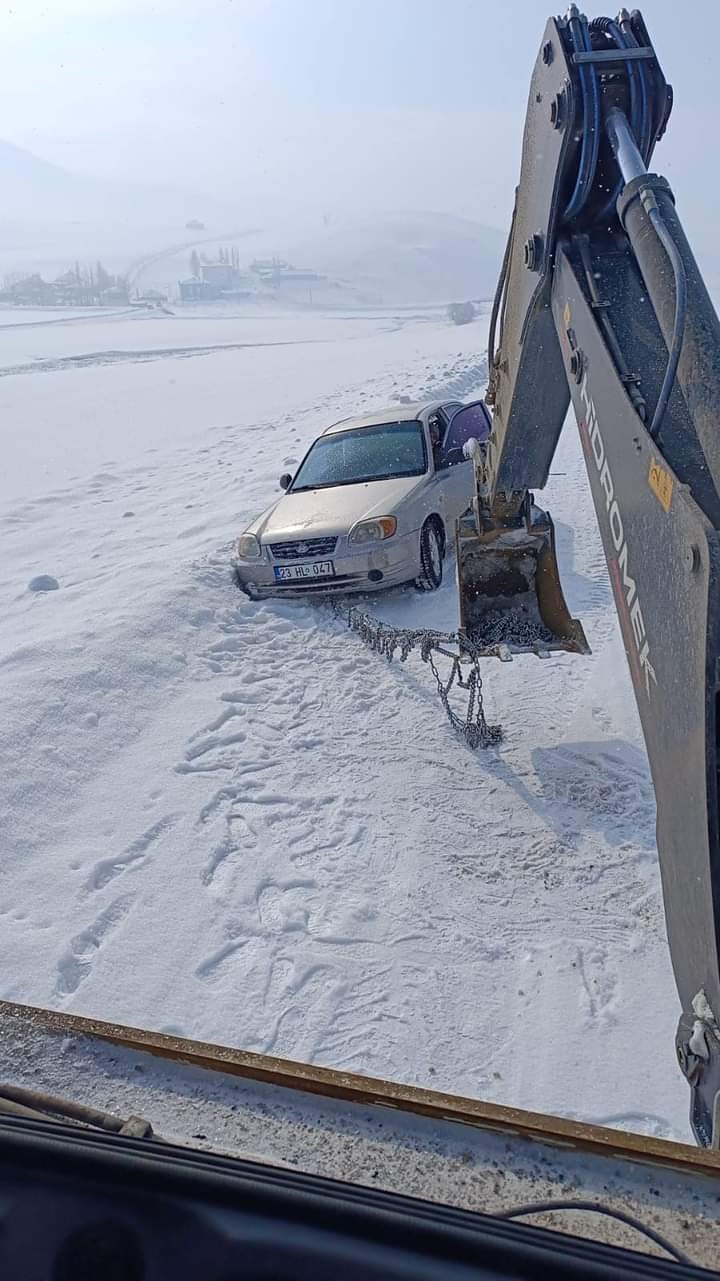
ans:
(511, 601)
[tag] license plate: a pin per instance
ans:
(319, 569)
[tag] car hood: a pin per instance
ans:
(334, 511)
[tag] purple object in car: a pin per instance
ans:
(470, 421)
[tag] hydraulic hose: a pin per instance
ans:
(678, 333)
(499, 292)
(621, 41)
(580, 37)
(643, 128)
(637, 95)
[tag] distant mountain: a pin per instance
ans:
(50, 216)
(22, 167)
(42, 192)
(45, 193)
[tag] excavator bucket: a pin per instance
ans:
(511, 601)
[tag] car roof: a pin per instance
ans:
(393, 414)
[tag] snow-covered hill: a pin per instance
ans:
(408, 257)
(46, 194)
(51, 216)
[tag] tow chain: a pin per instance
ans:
(384, 639)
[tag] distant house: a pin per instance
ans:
(196, 290)
(195, 225)
(276, 271)
(223, 279)
(267, 266)
(291, 274)
(152, 295)
(115, 295)
(222, 275)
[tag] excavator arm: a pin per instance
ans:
(601, 302)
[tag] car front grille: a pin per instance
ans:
(315, 584)
(304, 549)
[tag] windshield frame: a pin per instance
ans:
(363, 480)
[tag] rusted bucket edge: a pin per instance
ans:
(369, 1091)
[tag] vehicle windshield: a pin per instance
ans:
(363, 454)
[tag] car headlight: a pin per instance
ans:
(248, 547)
(374, 531)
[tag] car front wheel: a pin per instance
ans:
(431, 558)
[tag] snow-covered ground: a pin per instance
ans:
(230, 820)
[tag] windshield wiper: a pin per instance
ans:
(355, 480)
(36, 1106)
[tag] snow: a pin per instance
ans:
(113, 389)
(231, 821)
(697, 1043)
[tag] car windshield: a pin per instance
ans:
(366, 453)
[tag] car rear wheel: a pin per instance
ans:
(431, 558)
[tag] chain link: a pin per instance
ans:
(384, 639)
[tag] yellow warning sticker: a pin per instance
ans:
(661, 483)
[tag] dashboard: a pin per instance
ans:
(80, 1205)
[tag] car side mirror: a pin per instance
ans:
(285, 480)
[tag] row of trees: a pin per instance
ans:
(80, 285)
(95, 279)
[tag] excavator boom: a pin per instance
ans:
(601, 302)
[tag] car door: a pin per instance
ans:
(433, 495)
(454, 472)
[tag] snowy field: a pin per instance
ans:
(231, 821)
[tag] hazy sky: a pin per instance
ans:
(376, 103)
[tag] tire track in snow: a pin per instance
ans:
(92, 359)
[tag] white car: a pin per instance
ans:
(372, 504)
